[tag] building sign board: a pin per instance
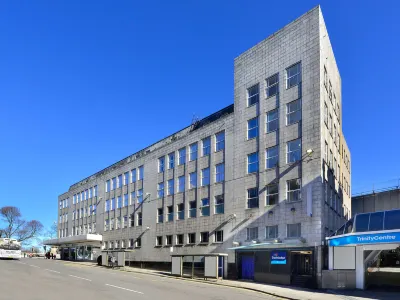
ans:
(278, 258)
(360, 239)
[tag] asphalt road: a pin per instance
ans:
(42, 279)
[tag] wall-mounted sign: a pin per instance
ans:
(278, 258)
(360, 239)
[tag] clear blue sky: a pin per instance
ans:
(84, 84)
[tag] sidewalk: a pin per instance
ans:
(285, 292)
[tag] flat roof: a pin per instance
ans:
(76, 239)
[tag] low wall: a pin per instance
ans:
(338, 279)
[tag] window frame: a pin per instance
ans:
(291, 113)
(256, 95)
(206, 146)
(182, 156)
(267, 232)
(252, 163)
(275, 157)
(269, 194)
(191, 152)
(288, 86)
(252, 199)
(218, 203)
(251, 233)
(254, 128)
(161, 164)
(271, 86)
(289, 152)
(219, 143)
(290, 191)
(203, 178)
(220, 172)
(205, 207)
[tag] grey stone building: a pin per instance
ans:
(377, 200)
(264, 180)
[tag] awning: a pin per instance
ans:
(76, 239)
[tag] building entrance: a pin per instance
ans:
(301, 263)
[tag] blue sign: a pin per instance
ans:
(360, 239)
(278, 258)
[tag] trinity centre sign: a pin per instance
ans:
(360, 239)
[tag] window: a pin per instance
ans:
(133, 175)
(161, 164)
(252, 128)
(293, 190)
(141, 172)
(294, 230)
(139, 219)
(191, 238)
(205, 207)
(74, 199)
(95, 191)
(330, 158)
(112, 203)
(182, 156)
(159, 241)
(330, 124)
(293, 75)
(252, 233)
(334, 167)
(252, 198)
(272, 120)
(107, 205)
(180, 211)
(272, 197)
(170, 212)
(160, 190)
(219, 172)
(326, 114)
(192, 209)
(220, 141)
(119, 202)
(271, 232)
(168, 240)
(376, 221)
(107, 188)
(205, 177)
(126, 178)
(252, 162)
(113, 183)
(126, 200)
(179, 239)
(219, 236)
(160, 215)
(119, 223)
(206, 144)
(193, 152)
(181, 184)
(112, 223)
(126, 222)
(170, 187)
(138, 243)
(131, 243)
(204, 237)
(271, 157)
(392, 218)
(293, 151)
(219, 204)
(119, 181)
(326, 152)
(330, 90)
(272, 85)
(293, 112)
(334, 134)
(133, 197)
(252, 95)
(338, 112)
(171, 160)
(140, 196)
(192, 180)
(325, 78)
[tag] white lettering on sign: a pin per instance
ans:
(376, 238)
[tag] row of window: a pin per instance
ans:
(293, 115)
(328, 87)
(293, 78)
(124, 179)
(119, 202)
(205, 209)
(293, 154)
(271, 232)
(89, 228)
(123, 222)
(64, 203)
(193, 152)
(84, 212)
(192, 177)
(293, 194)
(85, 195)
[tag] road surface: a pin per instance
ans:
(42, 279)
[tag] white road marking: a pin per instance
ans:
(52, 271)
(80, 277)
(22, 263)
(34, 266)
(118, 287)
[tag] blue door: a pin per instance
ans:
(248, 267)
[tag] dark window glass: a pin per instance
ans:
(362, 222)
(392, 219)
(376, 221)
(349, 227)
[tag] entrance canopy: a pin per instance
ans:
(76, 239)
